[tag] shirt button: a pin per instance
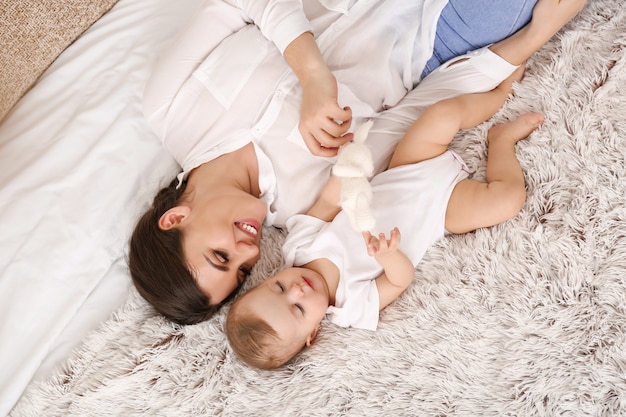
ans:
(215, 148)
(336, 28)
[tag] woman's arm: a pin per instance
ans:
(549, 16)
(323, 124)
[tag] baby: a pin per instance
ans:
(425, 190)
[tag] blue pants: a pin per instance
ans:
(466, 25)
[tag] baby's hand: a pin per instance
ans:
(381, 247)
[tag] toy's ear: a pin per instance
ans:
(173, 217)
(311, 337)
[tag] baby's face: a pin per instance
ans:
(293, 302)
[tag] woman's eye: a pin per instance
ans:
(299, 307)
(221, 256)
(280, 287)
(243, 274)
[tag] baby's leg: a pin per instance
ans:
(436, 127)
(475, 204)
(549, 16)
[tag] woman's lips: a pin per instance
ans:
(250, 226)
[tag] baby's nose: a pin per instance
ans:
(296, 289)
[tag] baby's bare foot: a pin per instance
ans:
(516, 130)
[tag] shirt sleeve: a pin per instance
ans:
(281, 21)
(302, 231)
(359, 308)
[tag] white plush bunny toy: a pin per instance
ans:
(354, 166)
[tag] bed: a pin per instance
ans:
(524, 319)
(78, 165)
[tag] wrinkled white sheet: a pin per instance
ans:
(78, 164)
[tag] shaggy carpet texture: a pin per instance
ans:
(33, 33)
(524, 319)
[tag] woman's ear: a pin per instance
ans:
(173, 217)
(311, 338)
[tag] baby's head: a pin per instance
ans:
(272, 322)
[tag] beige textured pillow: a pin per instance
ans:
(33, 33)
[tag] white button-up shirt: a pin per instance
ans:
(224, 83)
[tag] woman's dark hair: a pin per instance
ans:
(158, 267)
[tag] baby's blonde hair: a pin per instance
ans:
(254, 340)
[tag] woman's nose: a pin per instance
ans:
(248, 249)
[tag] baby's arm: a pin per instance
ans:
(399, 269)
(327, 205)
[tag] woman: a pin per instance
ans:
(244, 123)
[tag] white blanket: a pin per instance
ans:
(78, 164)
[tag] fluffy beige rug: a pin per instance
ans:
(33, 34)
(524, 319)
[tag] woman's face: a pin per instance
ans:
(221, 241)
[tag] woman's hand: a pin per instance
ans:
(323, 123)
